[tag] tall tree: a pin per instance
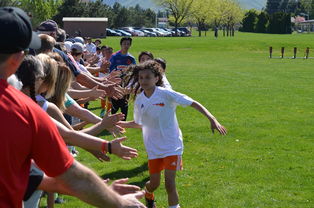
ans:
(249, 21)
(69, 8)
(40, 9)
(262, 22)
(272, 6)
(201, 13)
(5, 3)
(233, 15)
(179, 9)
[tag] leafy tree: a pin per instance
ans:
(249, 21)
(4, 3)
(272, 6)
(233, 15)
(179, 9)
(280, 23)
(201, 11)
(40, 10)
(69, 8)
(262, 22)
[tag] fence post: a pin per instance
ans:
(307, 52)
(282, 52)
(295, 52)
(270, 52)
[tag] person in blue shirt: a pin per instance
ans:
(119, 62)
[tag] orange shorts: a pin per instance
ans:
(173, 162)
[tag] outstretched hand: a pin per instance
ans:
(124, 152)
(114, 77)
(114, 90)
(131, 200)
(122, 188)
(110, 122)
(220, 128)
(100, 155)
(96, 93)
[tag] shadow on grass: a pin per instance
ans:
(126, 173)
(141, 183)
(104, 133)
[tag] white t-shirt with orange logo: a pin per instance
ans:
(157, 115)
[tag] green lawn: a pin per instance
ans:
(267, 105)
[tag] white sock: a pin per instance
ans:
(175, 206)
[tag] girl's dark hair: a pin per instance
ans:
(162, 62)
(147, 53)
(134, 70)
(30, 70)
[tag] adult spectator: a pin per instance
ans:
(50, 27)
(36, 132)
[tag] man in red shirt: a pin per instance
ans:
(28, 133)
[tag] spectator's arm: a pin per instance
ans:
(82, 183)
(77, 111)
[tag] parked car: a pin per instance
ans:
(173, 33)
(148, 33)
(124, 33)
(110, 32)
(167, 33)
(158, 33)
(179, 32)
(186, 30)
(129, 30)
(139, 33)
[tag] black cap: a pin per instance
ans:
(16, 31)
(48, 26)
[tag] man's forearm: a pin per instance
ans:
(82, 183)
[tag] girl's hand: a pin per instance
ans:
(216, 125)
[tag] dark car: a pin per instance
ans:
(185, 30)
(179, 32)
(110, 32)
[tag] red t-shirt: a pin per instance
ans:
(26, 132)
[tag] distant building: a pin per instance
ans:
(162, 22)
(303, 25)
(85, 26)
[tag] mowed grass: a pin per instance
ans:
(267, 105)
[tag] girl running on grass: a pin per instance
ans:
(155, 113)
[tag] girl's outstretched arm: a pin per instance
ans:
(129, 124)
(213, 121)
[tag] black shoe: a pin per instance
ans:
(150, 203)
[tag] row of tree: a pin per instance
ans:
(276, 18)
(204, 13)
(275, 23)
(118, 16)
(295, 7)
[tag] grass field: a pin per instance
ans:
(267, 105)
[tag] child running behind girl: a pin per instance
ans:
(154, 112)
